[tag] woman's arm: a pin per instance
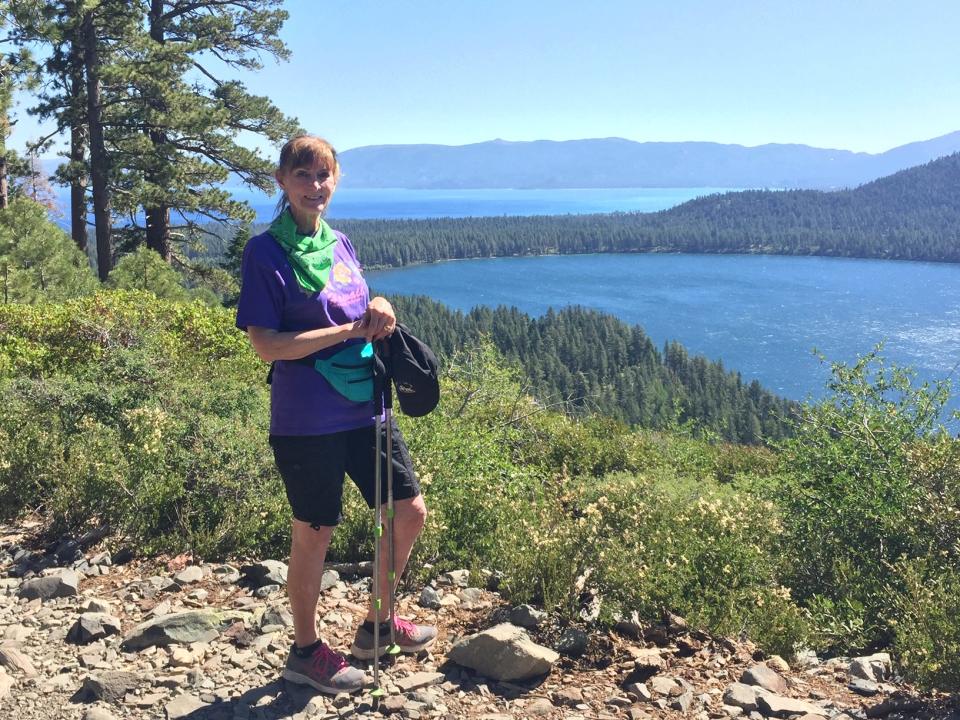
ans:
(273, 345)
(377, 322)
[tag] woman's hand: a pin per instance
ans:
(379, 320)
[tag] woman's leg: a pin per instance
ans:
(308, 548)
(409, 517)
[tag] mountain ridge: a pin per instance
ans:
(618, 162)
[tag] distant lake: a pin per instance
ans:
(761, 315)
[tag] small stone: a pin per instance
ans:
(682, 702)
(875, 668)
(189, 575)
(93, 626)
(329, 579)
(95, 605)
(98, 713)
(503, 652)
(226, 574)
(526, 616)
(777, 663)
(110, 686)
(183, 705)
(640, 690)
(265, 591)
(619, 701)
(429, 598)
(572, 643)
(540, 706)
(762, 676)
(419, 680)
(864, 687)
(742, 696)
(662, 685)
(571, 696)
(456, 578)
(782, 707)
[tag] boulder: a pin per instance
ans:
(181, 628)
(63, 584)
(503, 652)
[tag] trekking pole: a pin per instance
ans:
(377, 692)
(393, 649)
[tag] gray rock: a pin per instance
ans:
(183, 705)
(540, 706)
(419, 680)
(95, 605)
(181, 628)
(429, 598)
(63, 584)
(189, 575)
(110, 686)
(682, 702)
(742, 696)
(93, 626)
(782, 707)
(276, 616)
(640, 690)
(762, 676)
(6, 683)
(266, 572)
(15, 659)
(98, 713)
(226, 574)
(470, 597)
(875, 668)
(806, 659)
(900, 703)
(662, 685)
(573, 642)
(329, 579)
(864, 687)
(503, 652)
(265, 591)
(526, 616)
(457, 578)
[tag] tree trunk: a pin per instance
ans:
(158, 217)
(4, 187)
(98, 153)
(78, 149)
(158, 230)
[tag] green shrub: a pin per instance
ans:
(867, 482)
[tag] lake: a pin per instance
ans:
(761, 315)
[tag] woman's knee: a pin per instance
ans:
(411, 513)
(310, 538)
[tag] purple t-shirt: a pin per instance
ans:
(302, 402)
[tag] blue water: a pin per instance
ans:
(761, 315)
(409, 204)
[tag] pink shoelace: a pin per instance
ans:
(405, 626)
(327, 662)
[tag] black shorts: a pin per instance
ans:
(313, 468)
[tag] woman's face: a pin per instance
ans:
(308, 189)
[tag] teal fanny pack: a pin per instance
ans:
(349, 372)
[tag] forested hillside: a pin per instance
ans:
(585, 361)
(912, 215)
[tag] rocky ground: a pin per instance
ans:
(84, 635)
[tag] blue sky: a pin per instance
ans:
(861, 75)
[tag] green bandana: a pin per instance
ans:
(310, 256)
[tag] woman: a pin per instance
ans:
(303, 296)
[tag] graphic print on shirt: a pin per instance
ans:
(347, 286)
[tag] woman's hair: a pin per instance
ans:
(306, 151)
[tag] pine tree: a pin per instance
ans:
(179, 144)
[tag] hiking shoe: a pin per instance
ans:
(410, 638)
(326, 670)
